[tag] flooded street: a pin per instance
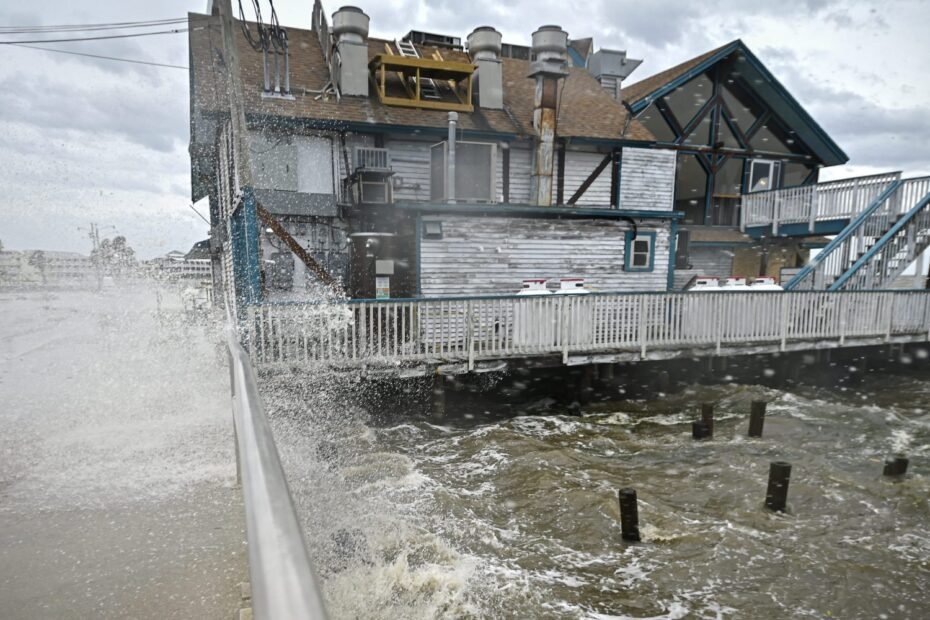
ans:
(117, 470)
(517, 517)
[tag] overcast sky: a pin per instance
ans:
(87, 140)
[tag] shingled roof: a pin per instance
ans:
(586, 111)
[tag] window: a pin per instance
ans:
(432, 229)
(763, 175)
(686, 101)
(690, 188)
(652, 118)
(639, 253)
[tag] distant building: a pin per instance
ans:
(177, 264)
(35, 267)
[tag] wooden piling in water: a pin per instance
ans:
(757, 418)
(707, 417)
(700, 430)
(629, 515)
(895, 466)
(439, 396)
(776, 495)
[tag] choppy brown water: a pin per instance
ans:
(479, 516)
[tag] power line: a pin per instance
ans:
(88, 27)
(112, 36)
(138, 62)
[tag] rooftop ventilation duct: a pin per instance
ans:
(350, 62)
(550, 46)
(610, 68)
(484, 46)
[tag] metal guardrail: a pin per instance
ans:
(283, 582)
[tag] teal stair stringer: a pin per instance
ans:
(887, 258)
(844, 249)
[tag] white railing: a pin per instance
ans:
(473, 329)
(860, 236)
(809, 204)
(282, 580)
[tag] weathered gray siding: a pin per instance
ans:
(410, 162)
(578, 167)
(520, 170)
(647, 179)
(492, 255)
(706, 261)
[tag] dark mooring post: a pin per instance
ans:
(756, 418)
(439, 396)
(895, 466)
(700, 430)
(776, 496)
(629, 515)
(707, 417)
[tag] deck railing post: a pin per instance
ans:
(891, 299)
(563, 326)
(842, 313)
(784, 321)
(814, 206)
(470, 335)
(642, 326)
(776, 213)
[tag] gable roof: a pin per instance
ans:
(767, 87)
(586, 111)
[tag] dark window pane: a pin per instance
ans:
(771, 138)
(743, 108)
(729, 178)
(640, 260)
(640, 246)
(763, 175)
(690, 189)
(652, 119)
(795, 174)
(701, 135)
(685, 101)
(726, 135)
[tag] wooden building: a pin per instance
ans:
(420, 168)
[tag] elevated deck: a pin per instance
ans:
(460, 335)
(821, 209)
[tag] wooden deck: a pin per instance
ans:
(459, 335)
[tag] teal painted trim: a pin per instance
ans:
(827, 227)
(536, 211)
(627, 256)
(619, 179)
(840, 238)
(721, 244)
(672, 253)
(888, 236)
(419, 237)
(251, 247)
(290, 123)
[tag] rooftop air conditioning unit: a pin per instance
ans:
(371, 159)
(372, 173)
(475, 172)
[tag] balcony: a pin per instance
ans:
(824, 208)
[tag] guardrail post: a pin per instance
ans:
(892, 298)
(470, 335)
(842, 312)
(784, 322)
(564, 329)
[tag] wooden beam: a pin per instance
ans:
(560, 174)
(295, 247)
(591, 178)
(426, 104)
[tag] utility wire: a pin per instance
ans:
(87, 27)
(138, 62)
(112, 36)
